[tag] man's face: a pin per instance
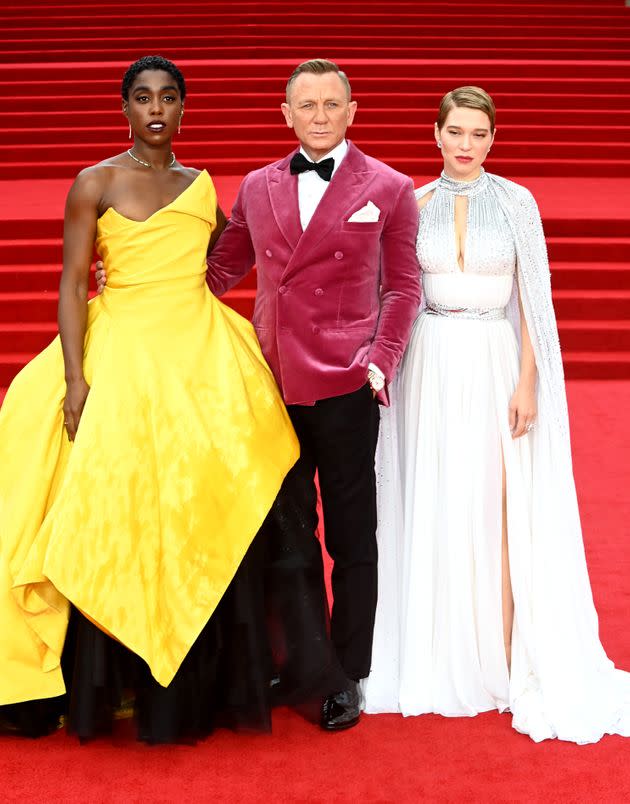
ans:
(319, 111)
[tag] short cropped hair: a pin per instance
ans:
(318, 67)
(467, 98)
(152, 63)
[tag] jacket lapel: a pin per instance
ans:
(283, 194)
(350, 180)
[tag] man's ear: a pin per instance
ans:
(286, 111)
(352, 110)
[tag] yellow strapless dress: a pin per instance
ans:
(182, 447)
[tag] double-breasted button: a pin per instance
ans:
(282, 290)
(339, 255)
(316, 330)
(269, 252)
(319, 292)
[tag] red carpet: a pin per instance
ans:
(387, 758)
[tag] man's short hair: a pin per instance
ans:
(318, 67)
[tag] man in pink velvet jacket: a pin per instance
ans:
(332, 233)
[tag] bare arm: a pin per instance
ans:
(523, 407)
(78, 243)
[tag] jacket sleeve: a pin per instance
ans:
(400, 284)
(233, 255)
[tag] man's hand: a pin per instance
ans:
(101, 277)
(76, 394)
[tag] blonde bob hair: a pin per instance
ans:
(467, 98)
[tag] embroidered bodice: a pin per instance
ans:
(489, 243)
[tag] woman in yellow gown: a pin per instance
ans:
(140, 454)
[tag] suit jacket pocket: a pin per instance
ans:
(371, 227)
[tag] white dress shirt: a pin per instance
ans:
(311, 186)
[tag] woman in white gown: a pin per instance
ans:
(484, 596)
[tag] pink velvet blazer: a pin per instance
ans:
(339, 294)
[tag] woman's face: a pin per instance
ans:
(154, 107)
(465, 140)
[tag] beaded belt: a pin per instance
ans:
(475, 313)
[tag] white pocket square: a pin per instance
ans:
(367, 214)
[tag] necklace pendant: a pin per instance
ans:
(148, 164)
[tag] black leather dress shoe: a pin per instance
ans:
(342, 710)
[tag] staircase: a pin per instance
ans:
(559, 72)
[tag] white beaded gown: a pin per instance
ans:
(438, 641)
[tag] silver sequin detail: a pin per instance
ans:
(470, 313)
(489, 246)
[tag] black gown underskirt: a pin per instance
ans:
(267, 644)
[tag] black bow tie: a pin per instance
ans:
(324, 169)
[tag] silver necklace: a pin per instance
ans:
(457, 187)
(148, 164)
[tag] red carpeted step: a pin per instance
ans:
(41, 306)
(26, 338)
(601, 305)
(540, 137)
(516, 150)
(589, 249)
(590, 276)
(581, 227)
(562, 249)
(38, 307)
(419, 118)
(79, 133)
(29, 278)
(27, 229)
(43, 278)
(405, 98)
(31, 251)
(267, 81)
(336, 47)
(565, 276)
(396, 18)
(366, 69)
(597, 365)
(11, 363)
(382, 30)
(229, 166)
(595, 336)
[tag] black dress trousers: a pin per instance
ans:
(338, 440)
